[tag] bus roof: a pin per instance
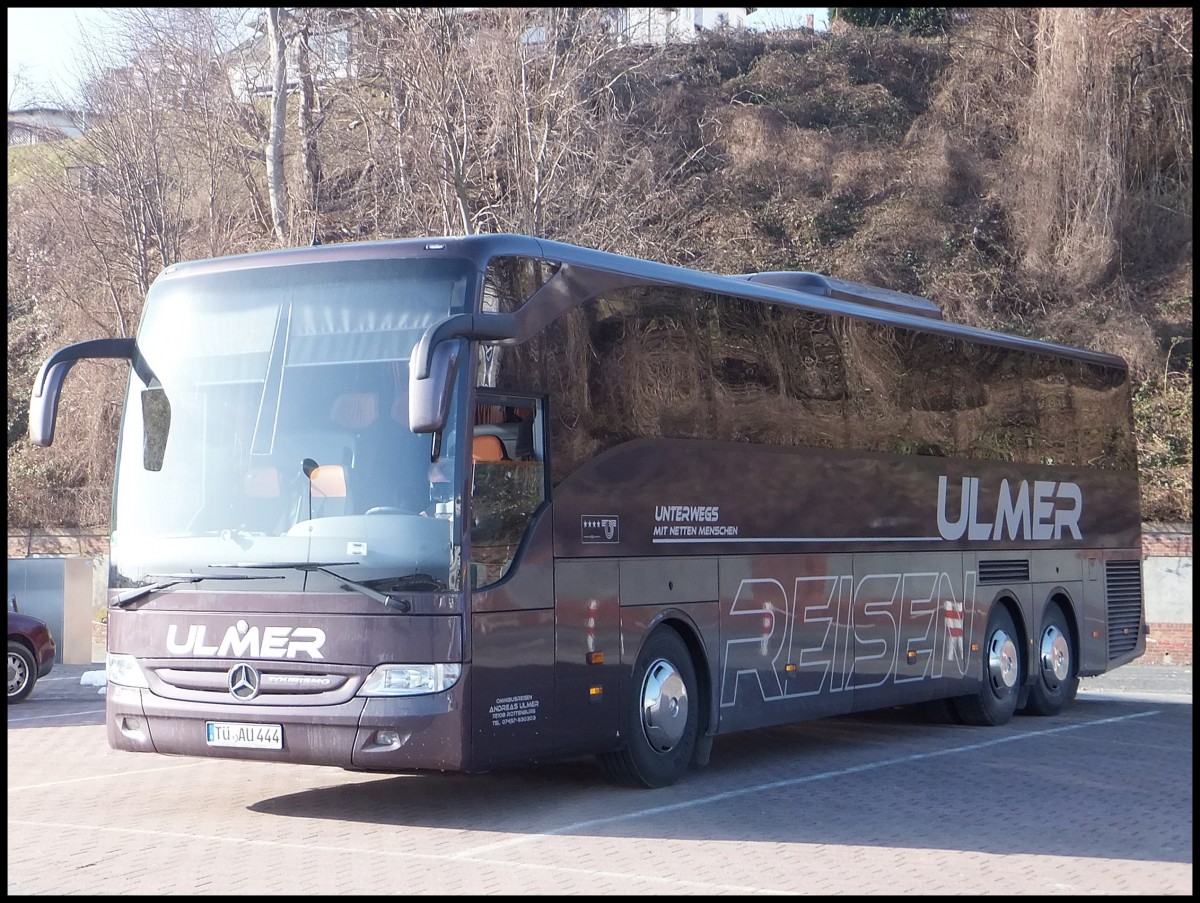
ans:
(592, 271)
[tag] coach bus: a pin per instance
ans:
(462, 504)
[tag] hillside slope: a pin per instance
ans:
(960, 171)
(1030, 173)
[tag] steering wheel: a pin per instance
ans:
(386, 509)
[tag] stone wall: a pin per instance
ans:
(1167, 589)
(69, 542)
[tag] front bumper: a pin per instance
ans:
(375, 734)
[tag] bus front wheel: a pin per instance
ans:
(661, 719)
(996, 700)
(1057, 679)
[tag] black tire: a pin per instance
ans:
(660, 722)
(22, 671)
(996, 700)
(1057, 677)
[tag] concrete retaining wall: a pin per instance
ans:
(1167, 589)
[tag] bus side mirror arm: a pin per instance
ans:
(484, 327)
(43, 404)
(435, 360)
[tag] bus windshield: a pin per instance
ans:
(269, 426)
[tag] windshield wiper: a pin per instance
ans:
(418, 583)
(166, 581)
(324, 567)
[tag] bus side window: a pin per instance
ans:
(508, 485)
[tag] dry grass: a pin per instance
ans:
(1031, 174)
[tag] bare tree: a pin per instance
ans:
(276, 181)
(311, 22)
(522, 119)
(540, 120)
(93, 220)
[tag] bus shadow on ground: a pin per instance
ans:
(1112, 772)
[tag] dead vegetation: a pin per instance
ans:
(1031, 173)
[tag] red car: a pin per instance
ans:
(30, 653)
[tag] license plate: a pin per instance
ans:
(245, 736)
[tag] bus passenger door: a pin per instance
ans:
(512, 581)
(508, 479)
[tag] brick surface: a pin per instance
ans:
(1166, 545)
(1095, 801)
(1169, 644)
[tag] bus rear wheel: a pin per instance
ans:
(996, 700)
(1057, 674)
(661, 719)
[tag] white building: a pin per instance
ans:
(333, 42)
(33, 124)
(667, 25)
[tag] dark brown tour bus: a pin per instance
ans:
(466, 503)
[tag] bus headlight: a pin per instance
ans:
(124, 671)
(410, 680)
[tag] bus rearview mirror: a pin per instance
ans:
(434, 359)
(429, 396)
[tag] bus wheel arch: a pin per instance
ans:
(662, 715)
(1055, 679)
(705, 700)
(995, 701)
